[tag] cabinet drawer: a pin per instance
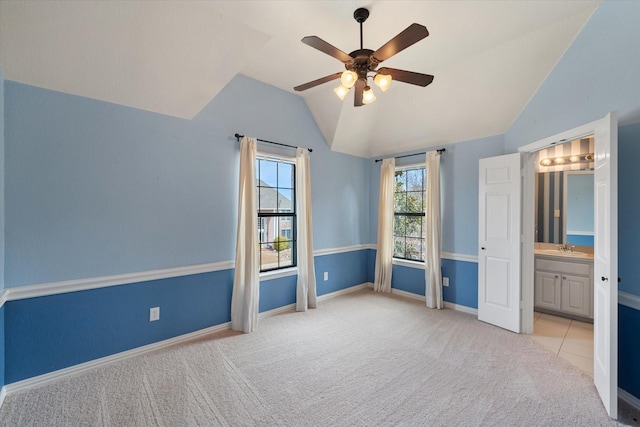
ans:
(569, 267)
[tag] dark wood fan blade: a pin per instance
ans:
(410, 77)
(317, 43)
(359, 90)
(318, 82)
(412, 34)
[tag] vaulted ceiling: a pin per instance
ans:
(173, 57)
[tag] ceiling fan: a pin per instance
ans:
(360, 62)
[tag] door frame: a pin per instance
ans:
(608, 390)
(528, 153)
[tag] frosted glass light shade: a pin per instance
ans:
(341, 91)
(348, 79)
(383, 81)
(368, 96)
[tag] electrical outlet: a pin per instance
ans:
(445, 281)
(154, 314)
(326, 276)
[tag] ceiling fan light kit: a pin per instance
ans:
(360, 63)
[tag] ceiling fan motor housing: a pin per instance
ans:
(361, 63)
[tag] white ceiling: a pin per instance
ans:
(173, 57)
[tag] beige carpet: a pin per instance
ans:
(361, 359)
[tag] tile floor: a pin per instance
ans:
(570, 339)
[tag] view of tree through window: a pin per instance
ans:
(408, 224)
(276, 213)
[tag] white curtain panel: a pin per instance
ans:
(432, 273)
(246, 279)
(384, 254)
(306, 288)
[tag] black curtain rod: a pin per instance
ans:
(440, 151)
(238, 137)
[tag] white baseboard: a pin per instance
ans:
(629, 398)
(408, 294)
(462, 308)
(107, 360)
(457, 307)
(629, 300)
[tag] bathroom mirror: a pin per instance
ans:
(564, 207)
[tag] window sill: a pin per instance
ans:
(408, 263)
(277, 274)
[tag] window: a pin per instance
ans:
(408, 222)
(276, 212)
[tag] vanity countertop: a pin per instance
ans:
(564, 254)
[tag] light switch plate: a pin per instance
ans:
(154, 314)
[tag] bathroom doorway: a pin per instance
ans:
(605, 289)
(563, 250)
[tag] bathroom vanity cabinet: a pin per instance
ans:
(564, 284)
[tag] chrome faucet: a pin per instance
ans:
(566, 247)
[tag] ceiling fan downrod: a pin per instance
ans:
(361, 15)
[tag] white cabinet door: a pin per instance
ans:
(499, 241)
(605, 326)
(547, 290)
(576, 295)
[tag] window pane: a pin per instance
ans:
(268, 172)
(400, 202)
(399, 225)
(414, 202)
(414, 248)
(285, 200)
(398, 247)
(414, 226)
(401, 179)
(267, 199)
(414, 180)
(284, 258)
(285, 175)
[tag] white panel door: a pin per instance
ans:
(605, 265)
(499, 241)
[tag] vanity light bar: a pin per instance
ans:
(567, 160)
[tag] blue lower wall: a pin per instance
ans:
(628, 350)
(48, 333)
(2, 356)
(463, 281)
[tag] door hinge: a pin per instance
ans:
(522, 173)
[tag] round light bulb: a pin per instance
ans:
(383, 81)
(559, 160)
(341, 91)
(574, 159)
(545, 162)
(348, 79)
(368, 96)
